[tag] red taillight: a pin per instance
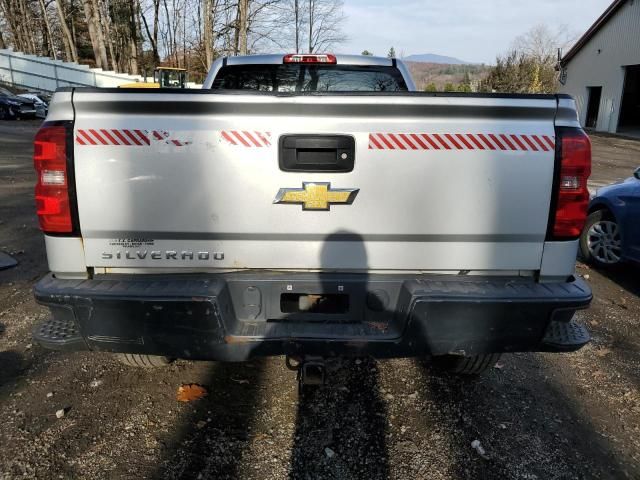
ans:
(52, 189)
(309, 58)
(573, 195)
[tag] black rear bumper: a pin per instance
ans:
(237, 316)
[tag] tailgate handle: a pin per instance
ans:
(316, 153)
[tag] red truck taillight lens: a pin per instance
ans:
(573, 148)
(52, 187)
(309, 58)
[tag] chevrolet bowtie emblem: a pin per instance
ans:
(316, 196)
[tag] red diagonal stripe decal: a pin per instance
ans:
(539, 142)
(506, 140)
(236, 134)
(87, 137)
(97, 136)
(228, 138)
(133, 138)
(121, 137)
(441, 140)
(549, 141)
(143, 136)
(376, 144)
(416, 138)
(497, 142)
(476, 141)
(428, 138)
(253, 140)
(407, 141)
(388, 144)
(397, 142)
(464, 141)
(264, 138)
(517, 141)
(108, 136)
(530, 143)
(486, 141)
(453, 140)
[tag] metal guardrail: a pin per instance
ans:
(56, 66)
(92, 76)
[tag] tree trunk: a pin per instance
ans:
(243, 24)
(310, 26)
(70, 46)
(153, 38)
(47, 26)
(156, 19)
(133, 41)
(93, 35)
(24, 23)
(103, 26)
(296, 12)
(169, 31)
(207, 36)
(2, 44)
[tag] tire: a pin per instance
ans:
(473, 365)
(600, 240)
(143, 361)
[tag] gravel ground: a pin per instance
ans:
(537, 416)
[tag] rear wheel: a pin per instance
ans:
(600, 241)
(472, 365)
(143, 361)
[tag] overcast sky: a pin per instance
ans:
(471, 30)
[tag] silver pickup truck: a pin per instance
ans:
(311, 206)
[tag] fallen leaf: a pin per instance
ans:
(602, 352)
(191, 392)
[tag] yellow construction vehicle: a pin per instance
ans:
(163, 77)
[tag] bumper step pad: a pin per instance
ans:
(58, 334)
(565, 337)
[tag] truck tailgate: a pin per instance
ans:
(188, 180)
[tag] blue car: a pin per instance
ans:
(612, 232)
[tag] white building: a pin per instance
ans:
(602, 71)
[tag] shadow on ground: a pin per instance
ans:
(214, 432)
(529, 426)
(341, 428)
(626, 276)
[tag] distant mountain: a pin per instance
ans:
(433, 58)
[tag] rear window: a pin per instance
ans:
(309, 78)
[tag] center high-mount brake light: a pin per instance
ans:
(52, 187)
(572, 201)
(309, 58)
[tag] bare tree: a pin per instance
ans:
(243, 25)
(325, 19)
(47, 25)
(69, 44)
(529, 66)
(542, 42)
(92, 15)
(133, 37)
(153, 37)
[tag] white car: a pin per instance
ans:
(42, 107)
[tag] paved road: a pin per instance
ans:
(538, 416)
